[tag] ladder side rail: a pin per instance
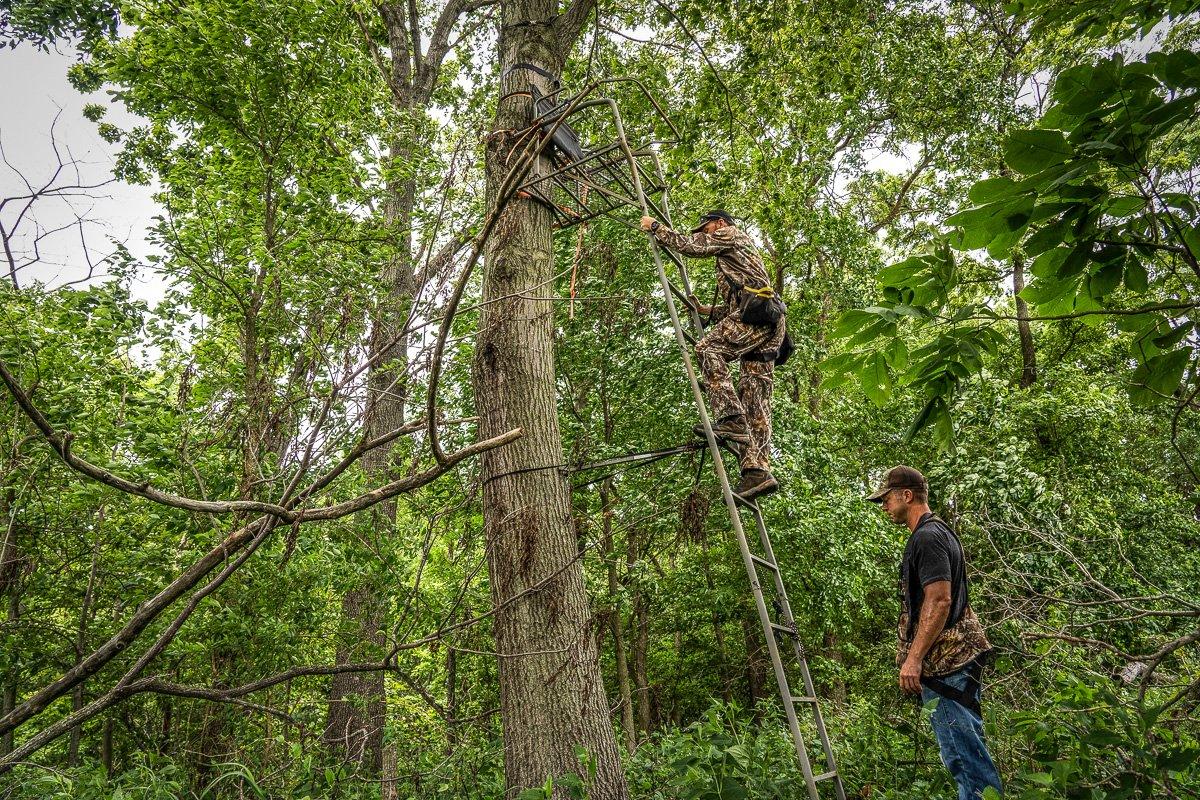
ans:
(665, 213)
(768, 549)
(789, 619)
(726, 490)
(769, 553)
(739, 532)
(819, 719)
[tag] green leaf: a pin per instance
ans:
(1181, 201)
(881, 327)
(1124, 205)
(1047, 237)
(1001, 247)
(838, 363)
(1179, 69)
(1043, 290)
(928, 414)
(984, 217)
(897, 354)
(1048, 263)
(1076, 261)
(875, 380)
(1136, 277)
(943, 429)
(1101, 283)
(1177, 759)
(732, 790)
(898, 274)
(851, 323)
(1191, 240)
(1134, 323)
(1177, 335)
(1102, 738)
(992, 189)
(739, 754)
(1159, 377)
(1031, 151)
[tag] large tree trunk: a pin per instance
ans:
(718, 630)
(552, 698)
(10, 591)
(614, 587)
(756, 668)
(357, 703)
(641, 641)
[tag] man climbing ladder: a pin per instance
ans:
(750, 326)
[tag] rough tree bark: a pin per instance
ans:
(756, 668)
(358, 701)
(10, 590)
(625, 693)
(552, 698)
(641, 642)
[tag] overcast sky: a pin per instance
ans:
(35, 88)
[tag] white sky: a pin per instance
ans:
(35, 88)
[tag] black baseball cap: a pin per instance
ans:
(711, 215)
(899, 477)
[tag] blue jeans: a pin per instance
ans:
(960, 738)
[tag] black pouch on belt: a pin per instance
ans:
(760, 306)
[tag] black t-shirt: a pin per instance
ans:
(933, 553)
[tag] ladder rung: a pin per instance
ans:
(741, 501)
(784, 629)
(824, 776)
(803, 699)
(762, 562)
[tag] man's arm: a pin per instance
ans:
(701, 309)
(935, 610)
(695, 245)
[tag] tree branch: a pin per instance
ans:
(569, 25)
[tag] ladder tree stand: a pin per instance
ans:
(579, 185)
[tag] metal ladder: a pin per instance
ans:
(785, 628)
(615, 197)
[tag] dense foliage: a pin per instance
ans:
(904, 164)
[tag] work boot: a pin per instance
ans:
(756, 483)
(727, 429)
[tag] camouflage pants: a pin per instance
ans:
(730, 339)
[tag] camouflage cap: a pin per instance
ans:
(716, 213)
(899, 477)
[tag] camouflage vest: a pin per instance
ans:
(953, 649)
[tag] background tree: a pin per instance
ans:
(326, 189)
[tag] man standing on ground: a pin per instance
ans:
(742, 417)
(941, 640)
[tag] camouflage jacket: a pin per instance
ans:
(953, 649)
(738, 261)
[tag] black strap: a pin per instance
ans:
(967, 698)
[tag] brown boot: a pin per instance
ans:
(756, 483)
(728, 429)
